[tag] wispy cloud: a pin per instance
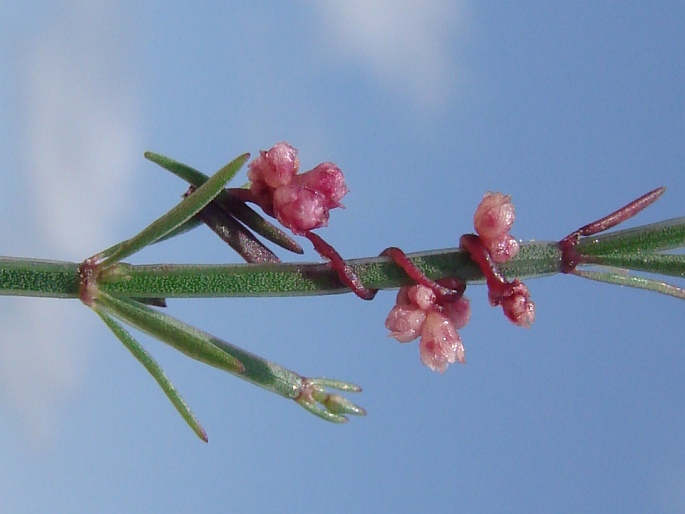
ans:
(77, 151)
(408, 45)
(81, 124)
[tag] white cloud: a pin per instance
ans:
(406, 44)
(42, 360)
(77, 155)
(81, 125)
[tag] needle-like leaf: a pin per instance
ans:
(183, 212)
(659, 263)
(185, 338)
(661, 236)
(625, 279)
(156, 371)
(310, 393)
(229, 203)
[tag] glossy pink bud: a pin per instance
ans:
(275, 167)
(299, 208)
(458, 312)
(494, 215)
(328, 180)
(405, 322)
(502, 248)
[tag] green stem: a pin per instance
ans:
(56, 279)
(305, 279)
(35, 277)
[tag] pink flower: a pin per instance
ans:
(517, 305)
(275, 167)
(406, 317)
(405, 322)
(422, 297)
(419, 313)
(300, 209)
(326, 179)
(502, 248)
(300, 202)
(494, 215)
(440, 343)
(459, 312)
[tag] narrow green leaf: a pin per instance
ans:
(665, 235)
(185, 338)
(233, 233)
(183, 212)
(156, 371)
(632, 281)
(229, 203)
(216, 352)
(658, 263)
(256, 222)
(189, 225)
(183, 171)
(321, 412)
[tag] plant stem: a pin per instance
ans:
(58, 279)
(634, 248)
(306, 279)
(35, 277)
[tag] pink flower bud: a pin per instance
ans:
(494, 215)
(300, 209)
(275, 167)
(422, 297)
(403, 296)
(440, 343)
(517, 305)
(405, 322)
(458, 312)
(502, 248)
(326, 179)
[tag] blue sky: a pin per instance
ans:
(572, 108)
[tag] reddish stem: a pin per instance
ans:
(232, 232)
(624, 213)
(498, 286)
(345, 273)
(443, 294)
(570, 258)
(512, 296)
(87, 273)
(264, 201)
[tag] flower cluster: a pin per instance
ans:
(299, 202)
(494, 245)
(431, 311)
(492, 220)
(435, 311)
(420, 312)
